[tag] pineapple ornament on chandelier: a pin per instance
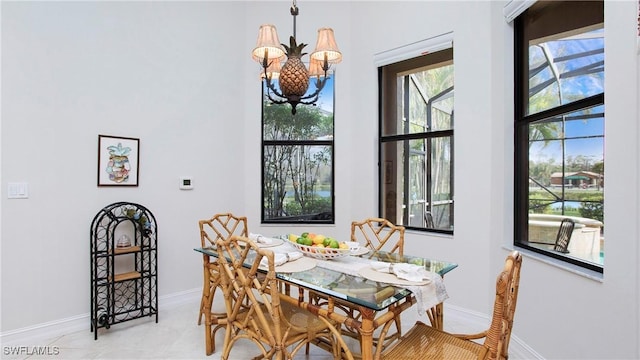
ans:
(293, 76)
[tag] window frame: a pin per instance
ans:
(443, 53)
(303, 218)
(522, 121)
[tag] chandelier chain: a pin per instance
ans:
(294, 12)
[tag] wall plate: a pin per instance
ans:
(186, 183)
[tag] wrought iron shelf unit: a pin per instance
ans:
(124, 280)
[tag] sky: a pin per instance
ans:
(578, 65)
(326, 98)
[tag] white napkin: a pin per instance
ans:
(260, 239)
(281, 258)
(404, 271)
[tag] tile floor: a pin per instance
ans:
(175, 336)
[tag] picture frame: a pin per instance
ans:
(118, 160)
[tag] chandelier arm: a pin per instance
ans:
(310, 102)
(319, 86)
(272, 87)
(276, 101)
(315, 94)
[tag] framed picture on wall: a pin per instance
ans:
(118, 161)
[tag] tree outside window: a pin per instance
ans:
(297, 166)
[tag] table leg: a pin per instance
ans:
(206, 301)
(436, 316)
(366, 332)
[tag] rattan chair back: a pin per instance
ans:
(255, 311)
(219, 227)
(504, 307)
(425, 342)
(379, 234)
(251, 299)
(564, 235)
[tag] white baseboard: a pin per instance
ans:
(518, 349)
(38, 333)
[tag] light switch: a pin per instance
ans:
(18, 190)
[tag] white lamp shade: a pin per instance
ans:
(315, 68)
(326, 47)
(268, 45)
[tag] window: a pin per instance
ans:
(416, 142)
(559, 130)
(297, 167)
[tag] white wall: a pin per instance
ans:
(155, 71)
(152, 70)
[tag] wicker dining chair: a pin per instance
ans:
(564, 235)
(425, 342)
(220, 226)
(379, 234)
(255, 311)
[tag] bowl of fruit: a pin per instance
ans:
(319, 246)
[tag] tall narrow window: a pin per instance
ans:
(416, 142)
(559, 131)
(297, 167)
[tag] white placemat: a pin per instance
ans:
(361, 251)
(274, 242)
(302, 264)
(369, 273)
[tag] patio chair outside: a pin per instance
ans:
(564, 235)
(428, 220)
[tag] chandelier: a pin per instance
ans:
(293, 76)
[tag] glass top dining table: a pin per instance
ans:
(337, 280)
(356, 289)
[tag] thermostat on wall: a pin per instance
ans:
(186, 183)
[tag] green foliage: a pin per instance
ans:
(315, 206)
(591, 203)
(545, 131)
(308, 123)
(541, 170)
(293, 172)
(539, 206)
(598, 167)
(592, 210)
